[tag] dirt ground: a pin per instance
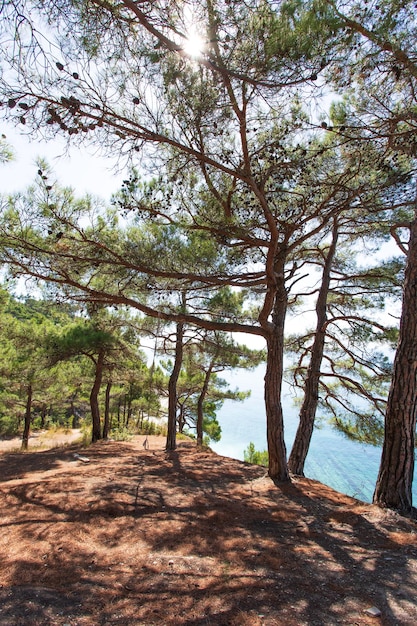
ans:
(43, 439)
(140, 536)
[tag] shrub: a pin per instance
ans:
(256, 457)
(8, 426)
(152, 428)
(121, 434)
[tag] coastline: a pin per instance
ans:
(347, 466)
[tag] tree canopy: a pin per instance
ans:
(248, 176)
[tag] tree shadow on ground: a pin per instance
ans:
(187, 538)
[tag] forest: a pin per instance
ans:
(270, 157)
(61, 369)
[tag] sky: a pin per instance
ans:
(81, 169)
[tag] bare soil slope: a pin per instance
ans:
(144, 537)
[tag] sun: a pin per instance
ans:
(194, 44)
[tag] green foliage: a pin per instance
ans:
(9, 426)
(300, 32)
(365, 428)
(85, 433)
(121, 434)
(227, 303)
(256, 457)
(212, 428)
(338, 113)
(6, 153)
(61, 387)
(149, 427)
(79, 339)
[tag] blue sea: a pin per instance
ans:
(347, 466)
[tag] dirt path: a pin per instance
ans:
(142, 537)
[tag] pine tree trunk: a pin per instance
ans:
(171, 443)
(181, 418)
(129, 409)
(394, 483)
(308, 409)
(272, 320)
(94, 405)
(119, 404)
(28, 415)
(43, 415)
(277, 454)
(106, 423)
(200, 403)
(124, 409)
(73, 414)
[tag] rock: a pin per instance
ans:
(373, 611)
(83, 459)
